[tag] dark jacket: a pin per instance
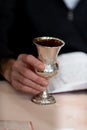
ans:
(21, 21)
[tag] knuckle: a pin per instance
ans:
(27, 57)
(25, 71)
(20, 56)
(14, 66)
(24, 80)
(37, 79)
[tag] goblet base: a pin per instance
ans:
(38, 99)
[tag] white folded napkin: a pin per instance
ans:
(72, 74)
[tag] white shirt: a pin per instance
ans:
(71, 4)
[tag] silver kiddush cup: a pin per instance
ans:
(48, 49)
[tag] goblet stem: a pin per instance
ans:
(44, 98)
(44, 94)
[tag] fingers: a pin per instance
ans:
(31, 60)
(29, 74)
(27, 82)
(23, 78)
(19, 86)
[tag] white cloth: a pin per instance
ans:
(72, 74)
(71, 4)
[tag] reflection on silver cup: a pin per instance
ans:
(49, 71)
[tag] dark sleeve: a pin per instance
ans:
(7, 23)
